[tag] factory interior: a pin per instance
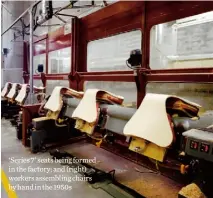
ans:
(106, 99)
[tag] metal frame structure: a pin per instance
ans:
(133, 15)
(31, 39)
(126, 16)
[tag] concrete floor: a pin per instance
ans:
(12, 147)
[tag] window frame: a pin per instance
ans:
(182, 57)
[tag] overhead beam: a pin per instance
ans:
(55, 15)
(68, 15)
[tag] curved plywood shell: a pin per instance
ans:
(87, 108)
(150, 122)
(55, 101)
(22, 93)
(5, 89)
(13, 91)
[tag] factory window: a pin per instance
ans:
(111, 53)
(199, 93)
(51, 84)
(59, 61)
(126, 89)
(183, 43)
(37, 60)
(37, 83)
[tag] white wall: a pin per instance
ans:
(15, 56)
(13, 63)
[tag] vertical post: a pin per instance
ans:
(31, 55)
(2, 61)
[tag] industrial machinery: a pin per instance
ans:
(21, 100)
(46, 12)
(166, 132)
(6, 89)
(10, 106)
(4, 93)
(51, 128)
(58, 124)
(18, 121)
(15, 97)
(171, 139)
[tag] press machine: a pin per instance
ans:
(50, 128)
(165, 131)
(10, 107)
(20, 100)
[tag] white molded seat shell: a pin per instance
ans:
(55, 101)
(4, 90)
(22, 93)
(87, 108)
(12, 91)
(150, 122)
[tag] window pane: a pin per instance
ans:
(183, 43)
(199, 93)
(51, 84)
(60, 61)
(39, 59)
(110, 54)
(126, 89)
(37, 83)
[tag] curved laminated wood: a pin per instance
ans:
(13, 91)
(40, 93)
(55, 101)
(150, 122)
(39, 89)
(87, 108)
(6, 89)
(22, 95)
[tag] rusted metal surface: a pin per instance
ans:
(126, 172)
